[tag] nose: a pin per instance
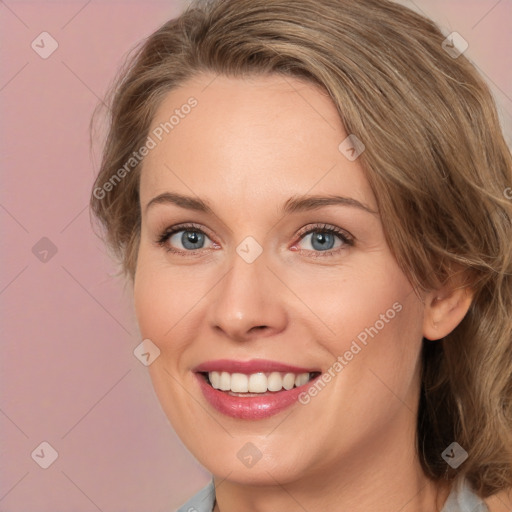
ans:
(247, 302)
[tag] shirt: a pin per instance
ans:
(461, 499)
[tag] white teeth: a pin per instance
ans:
(239, 383)
(225, 381)
(301, 379)
(214, 379)
(288, 381)
(275, 382)
(257, 382)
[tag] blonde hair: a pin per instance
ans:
(435, 157)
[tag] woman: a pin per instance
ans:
(309, 198)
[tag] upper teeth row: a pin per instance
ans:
(256, 382)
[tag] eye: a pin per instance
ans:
(325, 239)
(322, 239)
(184, 239)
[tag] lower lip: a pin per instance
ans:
(250, 407)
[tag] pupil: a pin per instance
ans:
(191, 239)
(324, 239)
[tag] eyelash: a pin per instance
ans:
(347, 239)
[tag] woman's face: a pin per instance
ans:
(267, 285)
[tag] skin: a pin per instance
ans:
(248, 146)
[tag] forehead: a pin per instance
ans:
(252, 139)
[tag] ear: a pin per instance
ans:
(444, 310)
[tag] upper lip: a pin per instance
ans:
(249, 367)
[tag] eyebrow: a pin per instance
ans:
(292, 205)
(187, 202)
(306, 203)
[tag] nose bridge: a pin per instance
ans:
(248, 299)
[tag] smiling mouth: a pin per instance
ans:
(256, 384)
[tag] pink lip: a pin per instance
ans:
(248, 367)
(249, 407)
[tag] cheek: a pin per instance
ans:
(353, 300)
(373, 322)
(380, 361)
(163, 297)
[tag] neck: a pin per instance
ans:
(370, 479)
(408, 493)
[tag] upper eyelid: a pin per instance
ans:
(325, 227)
(172, 230)
(305, 230)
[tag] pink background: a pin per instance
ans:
(68, 373)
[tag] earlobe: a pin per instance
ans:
(444, 310)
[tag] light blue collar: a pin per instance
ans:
(461, 499)
(203, 501)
